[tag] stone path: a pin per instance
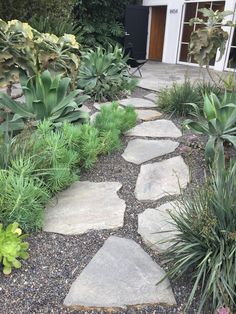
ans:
(122, 274)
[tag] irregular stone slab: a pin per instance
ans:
(93, 117)
(119, 275)
(162, 179)
(139, 150)
(137, 103)
(85, 109)
(159, 128)
(86, 206)
(147, 115)
(99, 105)
(153, 223)
(151, 96)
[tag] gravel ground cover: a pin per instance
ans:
(42, 283)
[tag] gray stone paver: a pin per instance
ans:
(155, 227)
(137, 103)
(160, 179)
(86, 206)
(119, 275)
(148, 115)
(141, 150)
(151, 96)
(157, 128)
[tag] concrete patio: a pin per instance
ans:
(157, 75)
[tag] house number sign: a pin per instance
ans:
(173, 11)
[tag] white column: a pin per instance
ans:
(220, 65)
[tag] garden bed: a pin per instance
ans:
(56, 260)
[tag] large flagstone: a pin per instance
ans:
(155, 227)
(137, 103)
(139, 150)
(161, 179)
(158, 128)
(86, 206)
(119, 275)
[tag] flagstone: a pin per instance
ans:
(157, 128)
(139, 151)
(86, 206)
(161, 179)
(119, 275)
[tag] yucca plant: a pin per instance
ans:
(103, 74)
(218, 123)
(45, 98)
(12, 247)
(205, 243)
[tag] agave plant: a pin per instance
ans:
(218, 123)
(103, 74)
(45, 98)
(12, 247)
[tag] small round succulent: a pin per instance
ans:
(12, 247)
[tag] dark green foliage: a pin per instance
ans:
(177, 98)
(24, 9)
(203, 88)
(104, 74)
(205, 245)
(102, 21)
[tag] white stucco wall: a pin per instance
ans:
(173, 28)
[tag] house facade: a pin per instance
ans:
(169, 33)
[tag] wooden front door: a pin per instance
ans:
(157, 34)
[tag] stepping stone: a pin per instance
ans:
(99, 105)
(86, 206)
(161, 179)
(148, 115)
(93, 117)
(139, 150)
(137, 103)
(159, 128)
(151, 96)
(153, 223)
(121, 274)
(85, 109)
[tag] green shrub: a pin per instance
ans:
(12, 247)
(111, 122)
(176, 99)
(103, 74)
(205, 245)
(22, 198)
(203, 88)
(53, 158)
(84, 139)
(218, 123)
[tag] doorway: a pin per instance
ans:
(157, 33)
